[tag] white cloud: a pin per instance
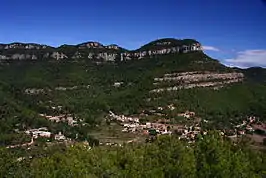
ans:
(248, 58)
(210, 48)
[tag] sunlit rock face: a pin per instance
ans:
(19, 57)
(107, 57)
(3, 57)
(90, 45)
(115, 47)
(77, 55)
(58, 56)
(96, 51)
(187, 80)
(24, 46)
(161, 48)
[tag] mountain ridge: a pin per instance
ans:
(96, 50)
(185, 40)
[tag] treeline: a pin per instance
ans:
(210, 156)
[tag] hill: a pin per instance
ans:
(109, 96)
(256, 74)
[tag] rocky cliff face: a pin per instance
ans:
(23, 46)
(187, 80)
(96, 51)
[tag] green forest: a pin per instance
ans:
(211, 156)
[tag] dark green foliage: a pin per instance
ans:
(255, 74)
(211, 156)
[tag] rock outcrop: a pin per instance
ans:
(187, 80)
(96, 51)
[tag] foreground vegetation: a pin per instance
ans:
(210, 156)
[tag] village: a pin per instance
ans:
(190, 127)
(160, 127)
(68, 118)
(250, 126)
(48, 136)
(43, 132)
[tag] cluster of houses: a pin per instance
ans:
(171, 107)
(187, 114)
(187, 131)
(40, 132)
(123, 118)
(68, 118)
(43, 132)
(248, 126)
(161, 126)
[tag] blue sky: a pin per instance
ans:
(233, 31)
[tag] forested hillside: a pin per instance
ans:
(175, 89)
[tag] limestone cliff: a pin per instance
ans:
(96, 51)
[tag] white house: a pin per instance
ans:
(60, 137)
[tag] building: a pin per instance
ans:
(41, 132)
(59, 137)
(117, 84)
